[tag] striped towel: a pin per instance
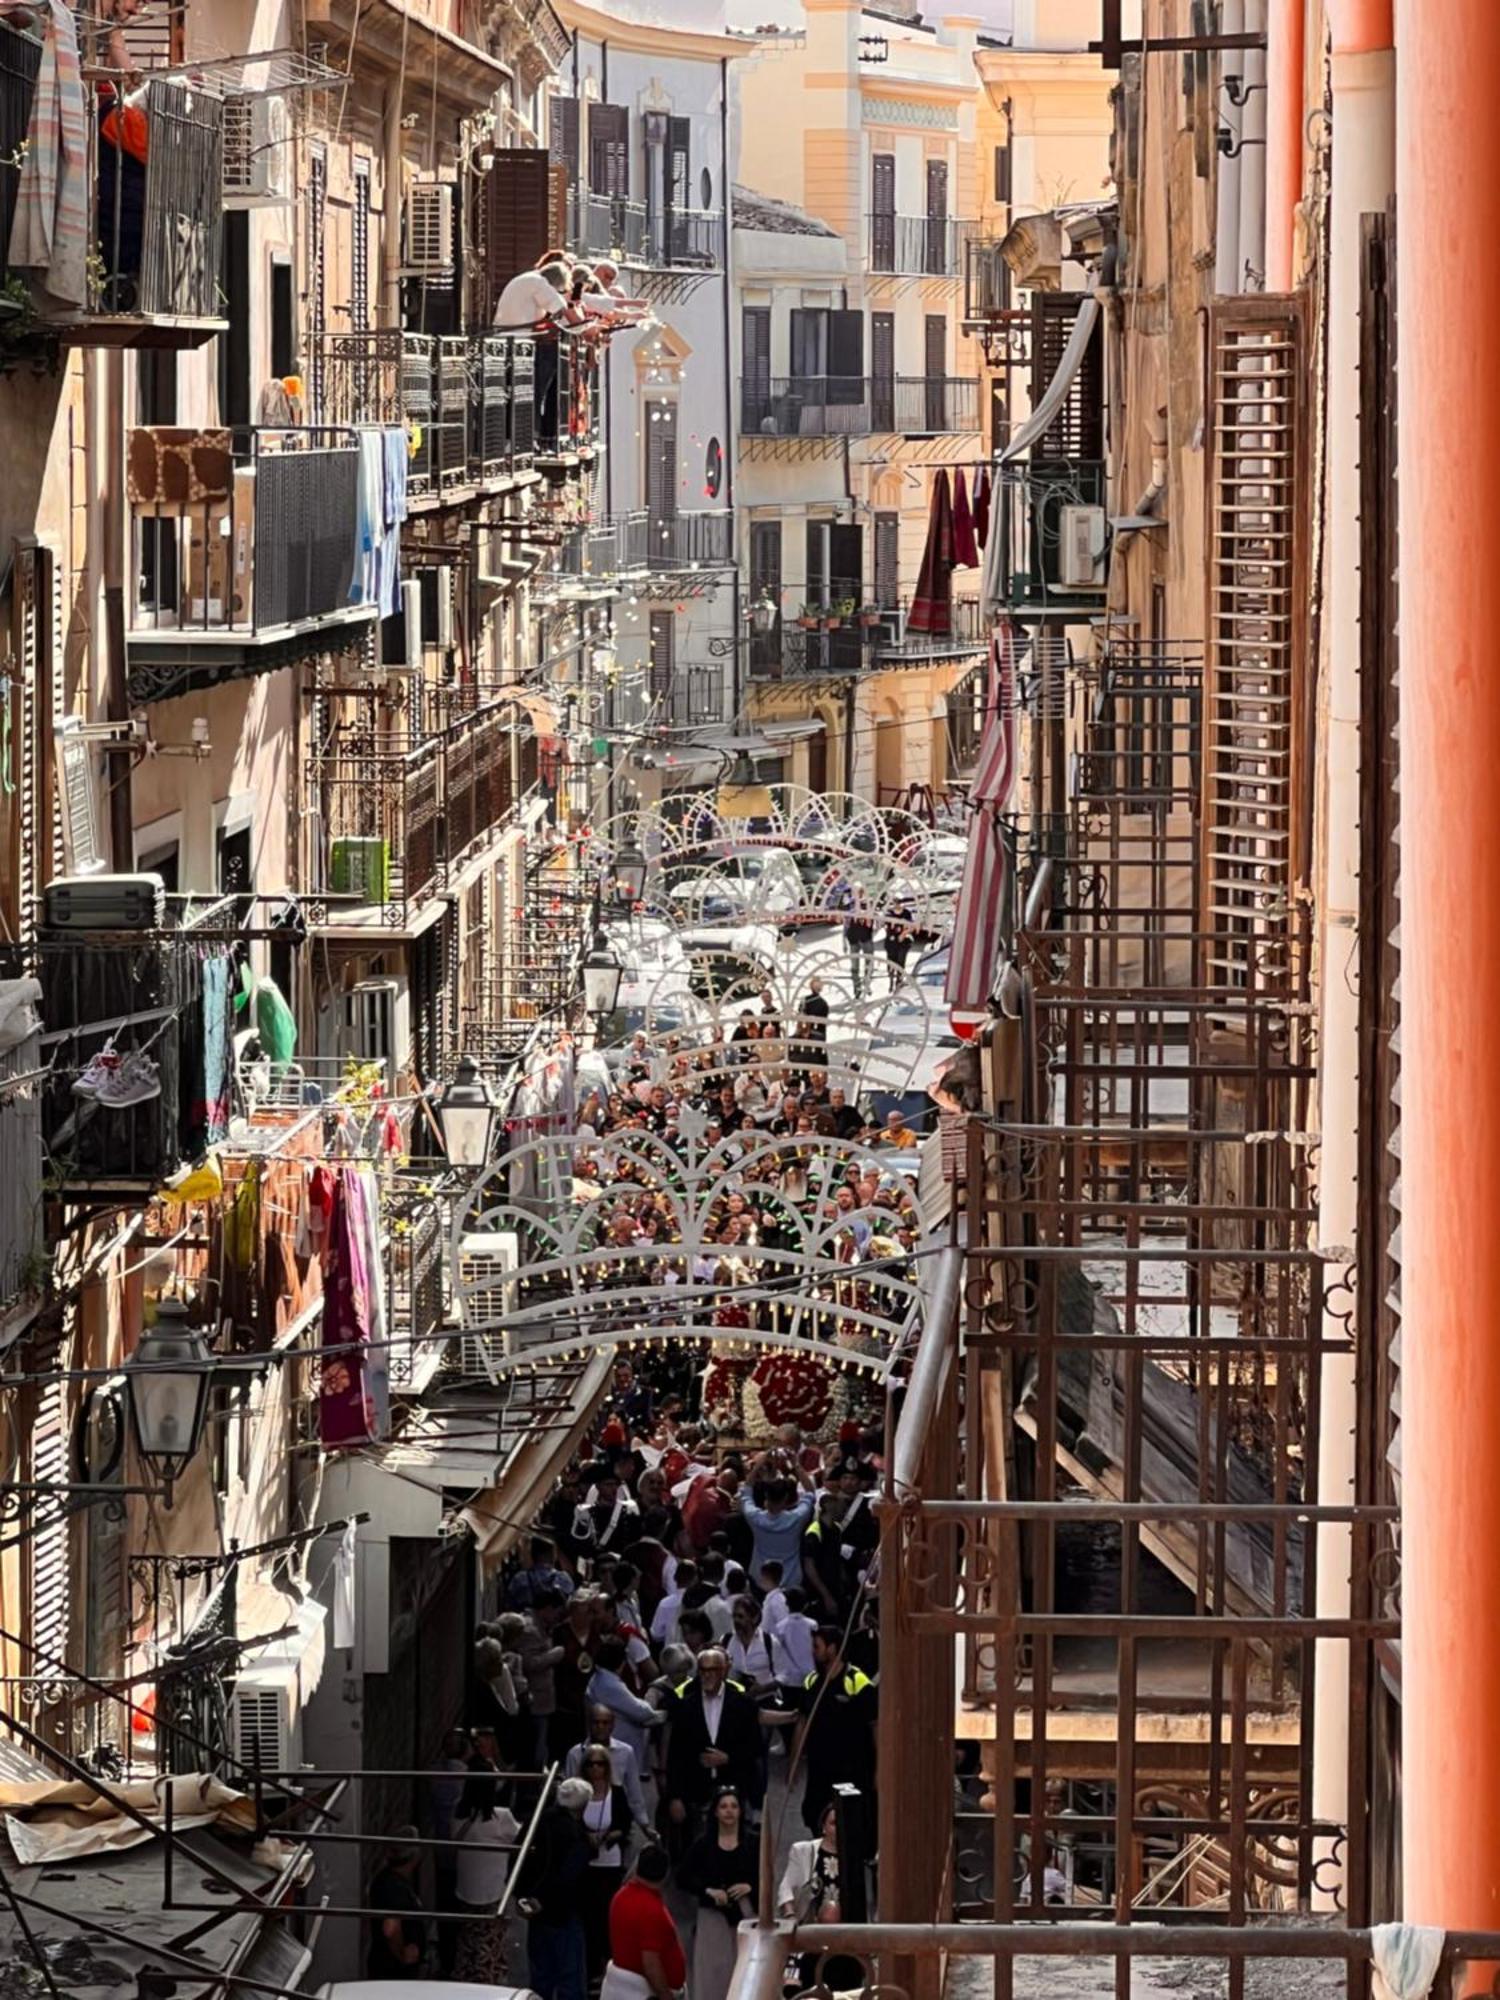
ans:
(50, 231)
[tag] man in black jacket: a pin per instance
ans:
(550, 1889)
(713, 1740)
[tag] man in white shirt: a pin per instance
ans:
(532, 297)
(625, 1761)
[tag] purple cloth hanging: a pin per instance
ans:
(932, 607)
(965, 548)
(346, 1408)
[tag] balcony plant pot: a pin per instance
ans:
(809, 621)
(869, 617)
(832, 622)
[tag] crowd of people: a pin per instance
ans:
(683, 1660)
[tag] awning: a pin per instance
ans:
(777, 733)
(1054, 395)
(500, 1517)
(539, 707)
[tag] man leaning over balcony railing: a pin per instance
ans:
(552, 296)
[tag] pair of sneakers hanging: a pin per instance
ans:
(116, 1080)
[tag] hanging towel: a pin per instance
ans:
(965, 548)
(49, 233)
(369, 516)
(982, 506)
(344, 1626)
(1406, 1957)
(346, 1408)
(393, 514)
(932, 607)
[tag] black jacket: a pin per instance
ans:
(739, 1738)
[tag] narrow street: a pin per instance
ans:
(747, 834)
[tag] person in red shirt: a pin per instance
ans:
(646, 1960)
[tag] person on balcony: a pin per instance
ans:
(124, 145)
(537, 301)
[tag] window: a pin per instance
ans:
(887, 560)
(1002, 174)
(283, 318)
(609, 149)
(234, 345)
(359, 250)
(828, 354)
(713, 469)
(883, 212)
(661, 458)
(162, 860)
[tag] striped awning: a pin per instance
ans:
(973, 956)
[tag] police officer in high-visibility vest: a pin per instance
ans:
(838, 1740)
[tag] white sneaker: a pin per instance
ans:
(136, 1079)
(96, 1071)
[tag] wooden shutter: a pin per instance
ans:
(1077, 431)
(755, 344)
(317, 267)
(883, 212)
(517, 218)
(1002, 175)
(937, 190)
(663, 664)
(935, 231)
(809, 335)
(846, 357)
(846, 561)
(935, 351)
(817, 562)
(359, 250)
(51, 1583)
(563, 134)
(677, 175)
(887, 560)
(609, 150)
(661, 459)
(1254, 679)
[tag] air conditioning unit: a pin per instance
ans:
(1080, 559)
(265, 1718)
(429, 230)
(445, 607)
(411, 618)
(257, 151)
(376, 1023)
(488, 1261)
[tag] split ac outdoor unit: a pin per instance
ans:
(487, 1264)
(257, 151)
(376, 1022)
(1081, 548)
(266, 1719)
(429, 230)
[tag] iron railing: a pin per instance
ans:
(269, 544)
(689, 695)
(162, 995)
(822, 406)
(796, 653)
(930, 246)
(156, 226)
(469, 403)
(388, 817)
(896, 641)
(1028, 515)
(607, 225)
(416, 1238)
(690, 540)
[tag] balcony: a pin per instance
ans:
(389, 817)
(242, 544)
(533, 984)
(469, 401)
(896, 645)
(814, 409)
(164, 993)
(916, 246)
(667, 252)
(701, 538)
(688, 697)
(152, 273)
(1034, 513)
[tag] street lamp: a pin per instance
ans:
(467, 1110)
(762, 615)
(168, 1380)
(602, 973)
(630, 874)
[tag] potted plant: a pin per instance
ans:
(869, 616)
(810, 617)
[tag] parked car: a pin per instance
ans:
(752, 881)
(729, 962)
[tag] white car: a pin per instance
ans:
(753, 882)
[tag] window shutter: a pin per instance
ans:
(75, 784)
(1002, 175)
(661, 460)
(817, 562)
(517, 218)
(359, 250)
(808, 325)
(887, 560)
(846, 357)
(51, 1593)
(609, 150)
(1254, 674)
(562, 134)
(846, 561)
(1077, 431)
(755, 341)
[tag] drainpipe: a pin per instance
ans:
(1363, 180)
(118, 764)
(1252, 255)
(731, 442)
(1228, 271)
(1285, 62)
(390, 233)
(1447, 167)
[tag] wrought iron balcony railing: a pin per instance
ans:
(825, 406)
(917, 246)
(21, 1240)
(388, 817)
(245, 534)
(643, 238)
(161, 1000)
(1042, 567)
(897, 641)
(154, 212)
(698, 538)
(469, 401)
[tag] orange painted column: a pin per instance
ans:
(1448, 305)
(1285, 57)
